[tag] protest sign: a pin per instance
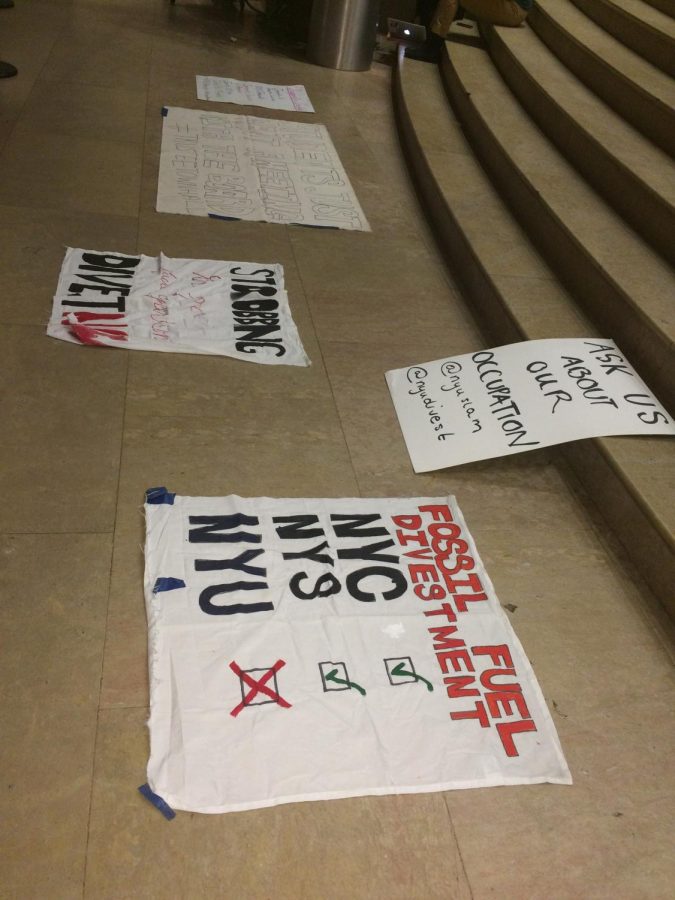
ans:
(520, 397)
(305, 649)
(244, 167)
(253, 93)
(237, 309)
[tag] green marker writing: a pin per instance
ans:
(332, 676)
(401, 670)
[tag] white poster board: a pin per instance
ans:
(292, 97)
(305, 649)
(520, 397)
(137, 302)
(244, 167)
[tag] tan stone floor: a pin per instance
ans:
(85, 432)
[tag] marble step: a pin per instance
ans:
(639, 92)
(638, 25)
(632, 175)
(515, 295)
(616, 278)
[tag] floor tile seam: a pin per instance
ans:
(105, 637)
(10, 133)
(15, 533)
(27, 127)
(247, 431)
(453, 831)
(308, 298)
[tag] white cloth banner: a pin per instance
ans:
(237, 309)
(313, 649)
(520, 397)
(244, 167)
(291, 97)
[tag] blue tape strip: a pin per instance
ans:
(165, 110)
(159, 495)
(157, 801)
(167, 584)
(224, 218)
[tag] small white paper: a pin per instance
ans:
(292, 97)
(520, 397)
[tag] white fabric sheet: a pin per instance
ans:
(244, 167)
(308, 649)
(237, 309)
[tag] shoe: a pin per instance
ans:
(430, 51)
(7, 70)
(6, 4)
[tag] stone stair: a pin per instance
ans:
(639, 25)
(519, 165)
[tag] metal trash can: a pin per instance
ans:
(342, 34)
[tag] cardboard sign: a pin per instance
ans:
(253, 93)
(307, 649)
(520, 397)
(243, 167)
(237, 309)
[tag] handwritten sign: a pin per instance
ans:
(307, 649)
(243, 167)
(520, 397)
(253, 93)
(237, 309)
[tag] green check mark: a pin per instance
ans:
(401, 670)
(332, 676)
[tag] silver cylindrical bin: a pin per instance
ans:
(342, 34)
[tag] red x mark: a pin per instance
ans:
(259, 686)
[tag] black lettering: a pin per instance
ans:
(314, 553)
(332, 586)
(239, 563)
(207, 534)
(353, 525)
(353, 583)
(231, 609)
(369, 552)
(298, 527)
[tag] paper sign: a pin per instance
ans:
(520, 397)
(237, 309)
(306, 649)
(253, 93)
(243, 167)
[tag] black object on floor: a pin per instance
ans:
(7, 70)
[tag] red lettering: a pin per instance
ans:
(456, 657)
(506, 730)
(477, 713)
(487, 679)
(445, 610)
(438, 512)
(420, 573)
(433, 592)
(499, 654)
(411, 523)
(457, 686)
(419, 537)
(505, 699)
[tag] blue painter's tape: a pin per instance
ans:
(159, 495)
(165, 110)
(224, 218)
(157, 801)
(167, 584)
